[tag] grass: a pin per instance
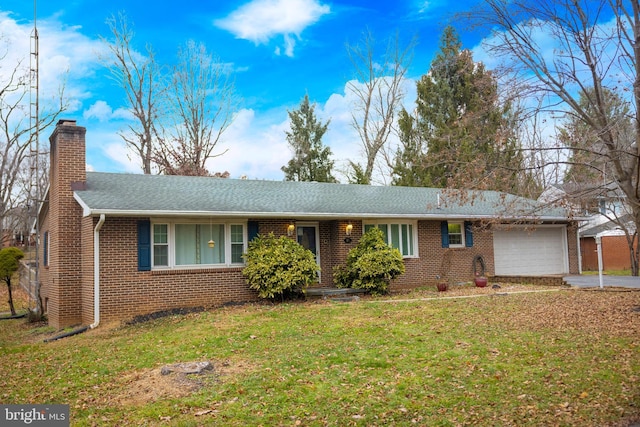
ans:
(552, 358)
(609, 273)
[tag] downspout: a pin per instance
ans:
(579, 250)
(96, 273)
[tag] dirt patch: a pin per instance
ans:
(142, 387)
(164, 313)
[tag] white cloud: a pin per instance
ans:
(103, 112)
(261, 20)
(256, 147)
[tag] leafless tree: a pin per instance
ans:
(567, 49)
(17, 133)
(201, 105)
(378, 91)
(139, 75)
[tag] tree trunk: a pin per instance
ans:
(634, 252)
(13, 310)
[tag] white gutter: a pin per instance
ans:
(313, 216)
(599, 250)
(579, 250)
(96, 273)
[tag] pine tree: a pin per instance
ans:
(311, 160)
(460, 136)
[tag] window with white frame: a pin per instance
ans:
(191, 244)
(456, 234)
(161, 245)
(399, 235)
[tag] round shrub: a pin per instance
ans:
(279, 267)
(371, 265)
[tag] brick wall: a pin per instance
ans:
(333, 248)
(67, 160)
(452, 264)
(126, 292)
(615, 253)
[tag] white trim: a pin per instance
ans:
(316, 226)
(389, 221)
(172, 222)
(96, 272)
(463, 242)
(310, 215)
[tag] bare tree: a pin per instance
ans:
(17, 133)
(567, 49)
(141, 79)
(379, 93)
(201, 103)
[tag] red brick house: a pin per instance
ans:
(118, 245)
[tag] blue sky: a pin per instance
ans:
(279, 50)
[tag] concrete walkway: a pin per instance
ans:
(593, 281)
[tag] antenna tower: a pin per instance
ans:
(35, 196)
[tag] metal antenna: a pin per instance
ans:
(35, 182)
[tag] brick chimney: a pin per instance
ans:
(67, 174)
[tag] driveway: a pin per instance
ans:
(593, 281)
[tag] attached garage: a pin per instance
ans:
(531, 252)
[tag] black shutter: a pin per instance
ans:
(144, 245)
(444, 231)
(468, 234)
(252, 230)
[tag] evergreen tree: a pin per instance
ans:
(459, 136)
(409, 168)
(311, 160)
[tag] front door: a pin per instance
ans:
(309, 238)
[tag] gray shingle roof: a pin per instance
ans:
(156, 195)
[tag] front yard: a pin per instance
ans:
(567, 357)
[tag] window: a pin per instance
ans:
(187, 244)
(398, 235)
(456, 234)
(160, 245)
(237, 243)
(192, 244)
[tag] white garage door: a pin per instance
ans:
(531, 252)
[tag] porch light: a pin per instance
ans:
(349, 229)
(211, 243)
(290, 229)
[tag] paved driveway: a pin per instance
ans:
(592, 281)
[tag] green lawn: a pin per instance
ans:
(610, 272)
(552, 358)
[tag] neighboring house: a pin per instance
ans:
(118, 245)
(615, 248)
(14, 228)
(603, 212)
